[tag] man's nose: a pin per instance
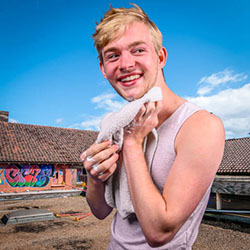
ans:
(127, 61)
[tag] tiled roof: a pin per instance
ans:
(23, 143)
(236, 158)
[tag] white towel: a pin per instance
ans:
(113, 123)
(112, 126)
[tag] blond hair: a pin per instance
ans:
(115, 23)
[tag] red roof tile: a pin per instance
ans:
(236, 158)
(23, 143)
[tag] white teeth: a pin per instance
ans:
(130, 78)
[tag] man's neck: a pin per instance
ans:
(171, 102)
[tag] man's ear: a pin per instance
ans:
(162, 55)
(102, 69)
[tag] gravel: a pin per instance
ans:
(68, 232)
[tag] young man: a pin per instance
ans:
(170, 199)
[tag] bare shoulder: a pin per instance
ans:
(202, 129)
(203, 121)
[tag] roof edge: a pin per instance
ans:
(34, 125)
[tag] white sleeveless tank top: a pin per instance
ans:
(127, 233)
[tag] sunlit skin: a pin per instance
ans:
(131, 64)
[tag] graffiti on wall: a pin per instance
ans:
(28, 175)
(1, 177)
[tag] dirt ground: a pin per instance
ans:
(66, 233)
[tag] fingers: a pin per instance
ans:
(105, 154)
(159, 106)
(104, 176)
(106, 168)
(99, 159)
(145, 120)
(94, 149)
(147, 110)
(150, 109)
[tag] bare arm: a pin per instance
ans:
(100, 163)
(199, 148)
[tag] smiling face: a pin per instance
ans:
(131, 64)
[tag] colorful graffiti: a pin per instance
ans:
(28, 175)
(1, 179)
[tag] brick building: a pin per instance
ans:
(38, 158)
(231, 187)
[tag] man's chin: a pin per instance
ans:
(132, 94)
(132, 97)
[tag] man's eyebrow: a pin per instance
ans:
(137, 43)
(111, 49)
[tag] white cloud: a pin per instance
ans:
(13, 120)
(91, 124)
(209, 83)
(204, 90)
(237, 127)
(59, 120)
(102, 97)
(232, 106)
(105, 101)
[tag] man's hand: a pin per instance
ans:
(143, 123)
(100, 160)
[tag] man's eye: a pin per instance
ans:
(139, 50)
(111, 57)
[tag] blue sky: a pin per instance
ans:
(49, 73)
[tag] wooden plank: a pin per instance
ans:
(218, 201)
